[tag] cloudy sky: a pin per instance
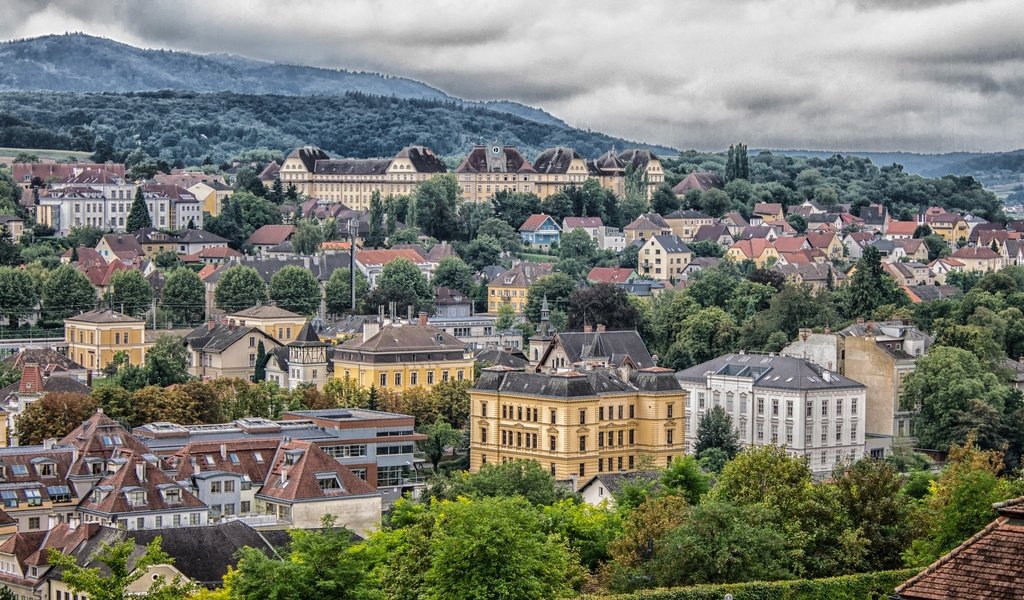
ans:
(921, 75)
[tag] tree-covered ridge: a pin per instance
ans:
(188, 128)
(77, 62)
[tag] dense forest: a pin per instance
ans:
(186, 128)
(76, 62)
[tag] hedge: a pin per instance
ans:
(862, 586)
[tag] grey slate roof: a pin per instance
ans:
(220, 338)
(501, 358)
(606, 344)
(570, 384)
(779, 372)
(672, 243)
(614, 481)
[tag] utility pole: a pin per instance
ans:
(352, 227)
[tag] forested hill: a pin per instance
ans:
(189, 128)
(82, 63)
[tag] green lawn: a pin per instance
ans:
(46, 154)
(538, 258)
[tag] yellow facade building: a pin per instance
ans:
(399, 357)
(280, 324)
(489, 170)
(94, 338)
(557, 169)
(574, 424)
(512, 287)
(352, 181)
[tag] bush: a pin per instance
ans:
(862, 586)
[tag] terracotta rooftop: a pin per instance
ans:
(303, 471)
(271, 235)
(609, 274)
(987, 566)
(534, 222)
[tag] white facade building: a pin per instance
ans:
(783, 401)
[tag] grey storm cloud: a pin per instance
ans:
(924, 75)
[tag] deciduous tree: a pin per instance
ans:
(184, 296)
(294, 288)
(129, 292)
(240, 287)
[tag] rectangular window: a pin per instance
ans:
(853, 432)
(631, 463)
(583, 443)
(600, 439)
(789, 409)
(600, 413)
(554, 416)
(760, 431)
(193, 518)
(246, 506)
(519, 413)
(807, 437)
(33, 522)
(632, 411)
(215, 487)
(430, 378)
(583, 416)
(620, 411)
(383, 379)
(519, 439)
(824, 407)
(775, 408)
(600, 466)
(632, 437)
(670, 436)
(414, 378)
(553, 440)
(853, 406)
(621, 434)
(229, 485)
(810, 409)
(839, 433)
(839, 407)
(789, 435)
(483, 409)
(671, 409)
(398, 378)
(760, 406)
(583, 469)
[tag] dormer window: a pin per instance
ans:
(209, 460)
(172, 495)
(46, 469)
(136, 498)
(234, 458)
(258, 456)
(33, 498)
(329, 483)
(19, 469)
(9, 498)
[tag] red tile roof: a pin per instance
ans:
(609, 274)
(987, 566)
(297, 470)
(137, 474)
(901, 228)
(271, 235)
(790, 244)
(752, 248)
(820, 239)
(534, 222)
(571, 222)
(31, 380)
(767, 208)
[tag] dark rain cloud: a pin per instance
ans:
(926, 75)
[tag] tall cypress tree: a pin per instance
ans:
(260, 373)
(138, 216)
(375, 238)
(730, 164)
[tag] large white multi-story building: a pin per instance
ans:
(781, 400)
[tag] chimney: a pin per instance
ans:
(49, 443)
(73, 522)
(587, 329)
(600, 327)
(370, 329)
(284, 474)
(223, 451)
(210, 325)
(51, 522)
(423, 319)
(140, 470)
(231, 325)
(195, 465)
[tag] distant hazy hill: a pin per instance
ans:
(83, 63)
(991, 168)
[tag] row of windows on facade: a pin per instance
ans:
(759, 433)
(414, 377)
(509, 411)
(808, 408)
(630, 464)
(623, 436)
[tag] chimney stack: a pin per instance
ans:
(49, 443)
(210, 325)
(51, 522)
(223, 451)
(140, 470)
(587, 329)
(73, 522)
(600, 327)
(423, 319)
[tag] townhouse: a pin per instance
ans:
(488, 170)
(663, 257)
(94, 337)
(511, 287)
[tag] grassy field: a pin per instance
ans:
(539, 258)
(44, 154)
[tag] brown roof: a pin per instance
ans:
(383, 257)
(25, 172)
(790, 244)
(124, 245)
(165, 190)
(215, 252)
(298, 468)
(987, 566)
(85, 255)
(901, 228)
(49, 358)
(609, 274)
(100, 437)
(31, 380)
(439, 251)
(406, 338)
(767, 208)
(649, 221)
(976, 253)
(507, 159)
(94, 177)
(752, 248)
(99, 274)
(571, 222)
(701, 182)
(115, 488)
(270, 171)
(820, 239)
(423, 159)
(271, 235)
(231, 456)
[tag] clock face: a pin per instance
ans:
(495, 150)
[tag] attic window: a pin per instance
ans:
(10, 499)
(19, 469)
(59, 493)
(33, 498)
(234, 458)
(329, 483)
(136, 498)
(209, 460)
(172, 495)
(258, 456)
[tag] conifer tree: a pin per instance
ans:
(138, 216)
